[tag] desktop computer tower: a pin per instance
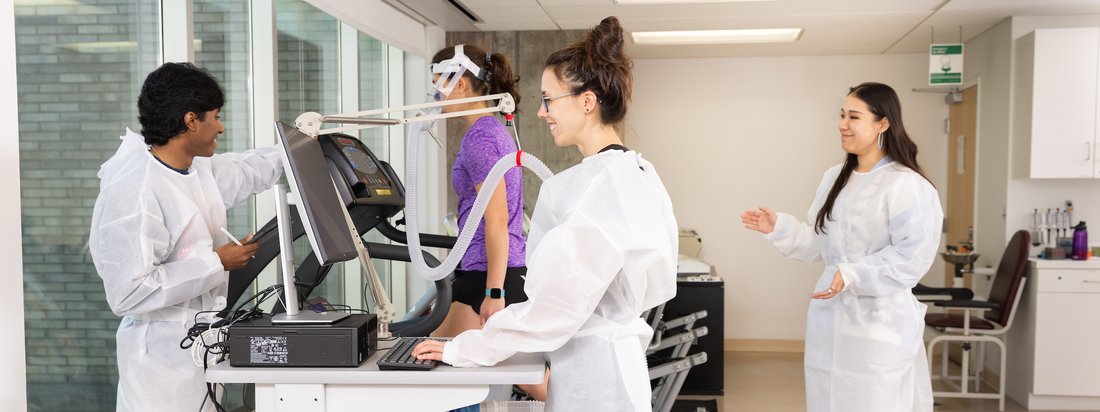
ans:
(346, 343)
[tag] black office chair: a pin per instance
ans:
(999, 310)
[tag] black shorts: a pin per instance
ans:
(469, 287)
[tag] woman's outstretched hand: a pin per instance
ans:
(762, 221)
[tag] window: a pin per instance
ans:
(80, 67)
(373, 70)
(308, 42)
(222, 47)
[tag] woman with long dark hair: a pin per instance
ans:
(876, 224)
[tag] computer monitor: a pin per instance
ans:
(322, 213)
(318, 203)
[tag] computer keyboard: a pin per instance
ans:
(400, 357)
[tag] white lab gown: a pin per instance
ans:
(864, 348)
(152, 239)
(602, 249)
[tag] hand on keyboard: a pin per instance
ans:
(400, 357)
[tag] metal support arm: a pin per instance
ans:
(310, 122)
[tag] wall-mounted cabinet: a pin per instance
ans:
(1057, 82)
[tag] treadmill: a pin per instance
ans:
(376, 195)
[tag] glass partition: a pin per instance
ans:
(308, 42)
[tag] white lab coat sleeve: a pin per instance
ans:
(129, 249)
(566, 277)
(798, 240)
(240, 175)
(794, 239)
(915, 218)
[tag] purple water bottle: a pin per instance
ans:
(1080, 242)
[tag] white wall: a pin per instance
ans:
(13, 377)
(732, 134)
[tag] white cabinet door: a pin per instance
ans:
(1063, 103)
(1067, 343)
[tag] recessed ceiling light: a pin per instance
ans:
(717, 36)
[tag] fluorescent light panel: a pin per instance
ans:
(717, 36)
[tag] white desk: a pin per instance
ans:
(368, 389)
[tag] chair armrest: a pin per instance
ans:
(931, 298)
(968, 304)
(954, 293)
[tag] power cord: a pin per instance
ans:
(213, 338)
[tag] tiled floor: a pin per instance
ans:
(772, 382)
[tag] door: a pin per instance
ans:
(961, 155)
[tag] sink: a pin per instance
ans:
(959, 258)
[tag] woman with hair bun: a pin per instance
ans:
(602, 247)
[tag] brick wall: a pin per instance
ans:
(75, 99)
(222, 38)
(77, 93)
(80, 69)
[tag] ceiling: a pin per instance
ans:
(833, 27)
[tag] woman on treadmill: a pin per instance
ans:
(491, 273)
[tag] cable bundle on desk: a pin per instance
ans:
(213, 338)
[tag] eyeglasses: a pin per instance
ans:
(547, 99)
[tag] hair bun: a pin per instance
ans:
(605, 41)
(596, 62)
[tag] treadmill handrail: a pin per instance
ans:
(397, 235)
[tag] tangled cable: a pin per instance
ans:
(212, 338)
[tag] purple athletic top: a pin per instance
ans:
(485, 143)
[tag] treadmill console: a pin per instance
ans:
(367, 180)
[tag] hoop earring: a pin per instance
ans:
(879, 140)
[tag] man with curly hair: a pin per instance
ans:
(156, 236)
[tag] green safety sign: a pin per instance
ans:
(945, 64)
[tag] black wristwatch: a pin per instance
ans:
(495, 293)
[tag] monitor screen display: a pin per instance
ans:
(319, 205)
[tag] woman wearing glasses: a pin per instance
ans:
(602, 246)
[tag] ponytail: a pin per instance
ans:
(496, 72)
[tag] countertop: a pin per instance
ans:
(1093, 263)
